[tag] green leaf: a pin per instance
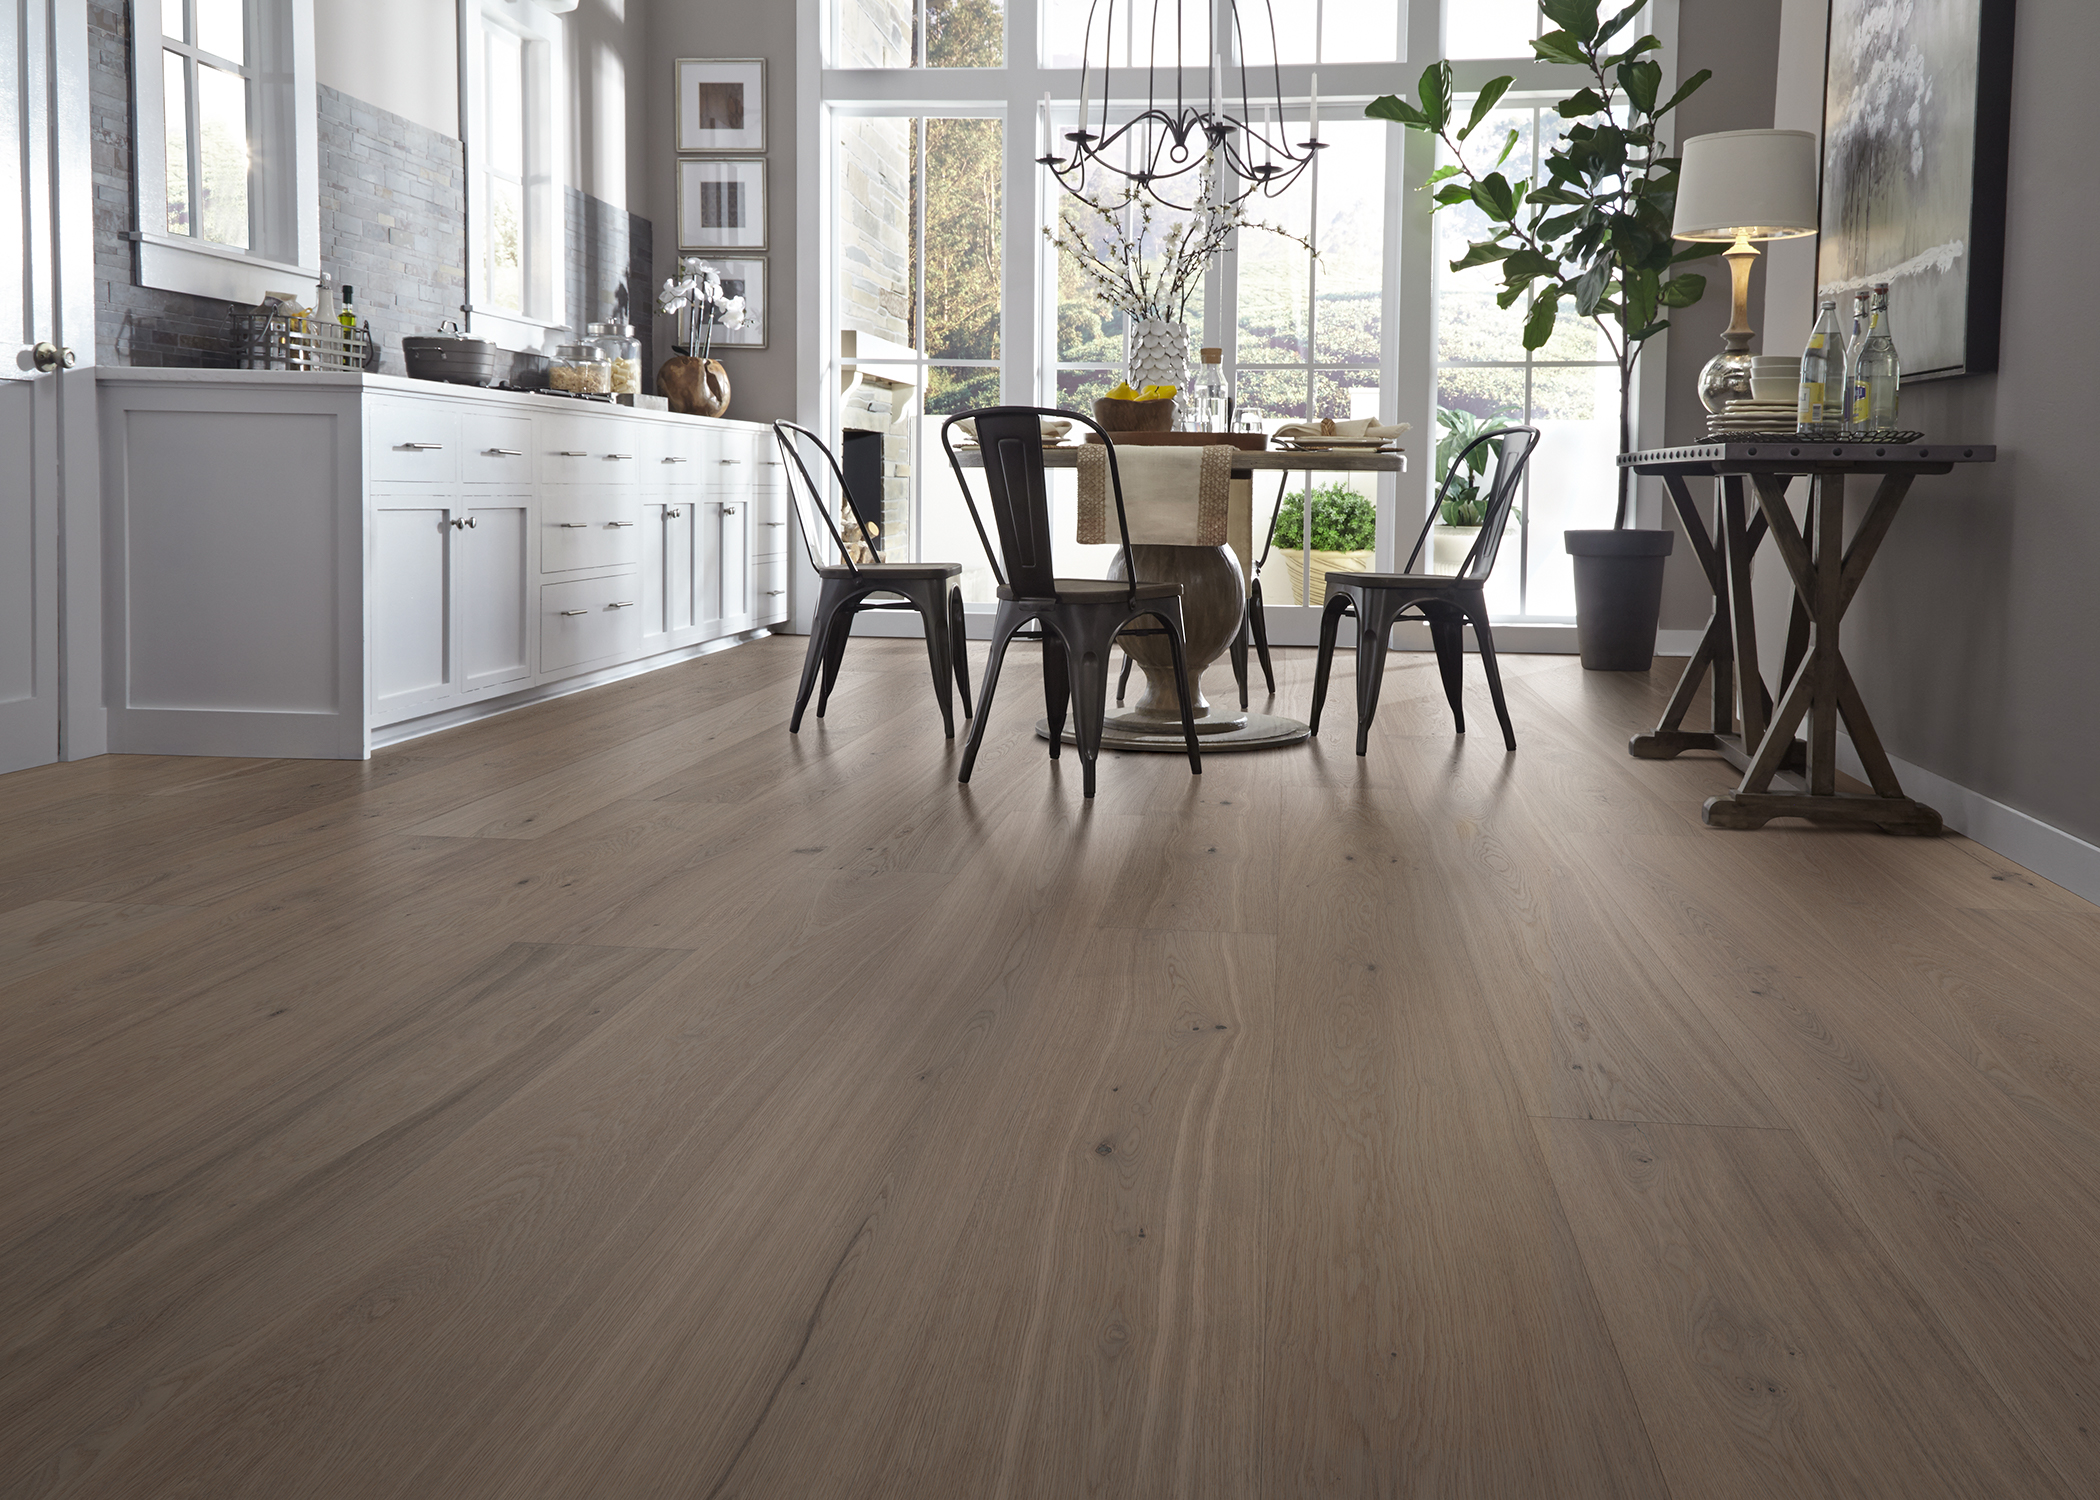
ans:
(1454, 193)
(1699, 250)
(1619, 22)
(1591, 286)
(1439, 175)
(1690, 84)
(1641, 80)
(1559, 196)
(1511, 294)
(1577, 17)
(1480, 253)
(1580, 105)
(1508, 145)
(1559, 224)
(1529, 263)
(1538, 328)
(1648, 332)
(1644, 44)
(1683, 291)
(1393, 107)
(1435, 93)
(1495, 89)
(1558, 47)
(1642, 292)
(1495, 197)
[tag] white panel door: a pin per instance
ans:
(489, 539)
(410, 600)
(46, 304)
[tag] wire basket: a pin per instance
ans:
(274, 341)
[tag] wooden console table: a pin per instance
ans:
(1826, 572)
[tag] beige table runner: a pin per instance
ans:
(1176, 497)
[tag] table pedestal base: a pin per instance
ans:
(1748, 810)
(1252, 732)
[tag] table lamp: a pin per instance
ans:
(1735, 187)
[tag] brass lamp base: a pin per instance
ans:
(1726, 378)
(1727, 375)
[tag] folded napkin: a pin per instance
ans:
(1054, 429)
(1355, 427)
(1171, 496)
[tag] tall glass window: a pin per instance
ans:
(918, 34)
(505, 243)
(207, 112)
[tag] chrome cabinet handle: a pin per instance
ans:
(672, 515)
(674, 460)
(571, 453)
(619, 455)
(575, 612)
(462, 524)
(616, 525)
(622, 604)
(574, 525)
(729, 510)
(420, 447)
(731, 461)
(774, 593)
(772, 463)
(772, 523)
(503, 452)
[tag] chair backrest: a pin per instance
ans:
(1011, 439)
(809, 494)
(1512, 446)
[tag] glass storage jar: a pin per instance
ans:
(580, 370)
(624, 351)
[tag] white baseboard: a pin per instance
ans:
(2050, 852)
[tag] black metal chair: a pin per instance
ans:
(933, 589)
(1449, 604)
(1076, 619)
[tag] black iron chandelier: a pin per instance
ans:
(1168, 143)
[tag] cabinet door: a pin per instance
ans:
(667, 602)
(736, 559)
(489, 560)
(410, 580)
(707, 567)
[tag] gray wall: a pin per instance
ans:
(1739, 40)
(1973, 640)
(762, 381)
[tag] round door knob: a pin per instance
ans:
(49, 357)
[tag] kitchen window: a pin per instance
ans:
(514, 123)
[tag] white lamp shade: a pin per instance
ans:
(1757, 183)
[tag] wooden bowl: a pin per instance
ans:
(1134, 416)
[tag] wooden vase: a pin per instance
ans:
(697, 388)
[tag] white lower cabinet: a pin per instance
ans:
(439, 552)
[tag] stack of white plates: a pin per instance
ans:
(1775, 377)
(1751, 416)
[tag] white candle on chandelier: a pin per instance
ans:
(1268, 143)
(1217, 83)
(1049, 152)
(1084, 80)
(1314, 121)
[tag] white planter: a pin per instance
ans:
(1448, 546)
(1158, 354)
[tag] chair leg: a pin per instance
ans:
(1089, 672)
(1447, 634)
(959, 644)
(1239, 662)
(813, 659)
(1123, 682)
(1330, 627)
(1181, 686)
(835, 651)
(1374, 635)
(933, 613)
(1484, 633)
(1002, 631)
(1057, 689)
(1259, 623)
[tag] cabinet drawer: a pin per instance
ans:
(769, 532)
(586, 450)
(495, 449)
(734, 465)
(589, 620)
(769, 600)
(414, 442)
(585, 527)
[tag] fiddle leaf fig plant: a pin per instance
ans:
(1594, 229)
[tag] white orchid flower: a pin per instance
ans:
(733, 313)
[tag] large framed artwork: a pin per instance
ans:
(722, 203)
(721, 104)
(743, 277)
(1917, 104)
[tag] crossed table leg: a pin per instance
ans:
(1818, 686)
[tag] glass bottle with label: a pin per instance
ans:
(1852, 348)
(1877, 372)
(1211, 395)
(1820, 410)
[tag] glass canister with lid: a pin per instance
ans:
(580, 369)
(623, 352)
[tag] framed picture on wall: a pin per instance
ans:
(721, 104)
(743, 277)
(722, 203)
(1916, 119)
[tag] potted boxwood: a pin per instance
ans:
(1594, 229)
(1342, 532)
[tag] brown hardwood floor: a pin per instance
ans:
(622, 1098)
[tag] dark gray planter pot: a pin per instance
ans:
(1618, 596)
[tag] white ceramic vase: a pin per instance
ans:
(1157, 353)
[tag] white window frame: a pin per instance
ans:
(284, 194)
(538, 24)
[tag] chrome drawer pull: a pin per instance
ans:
(421, 447)
(732, 461)
(575, 611)
(616, 525)
(619, 455)
(674, 460)
(774, 593)
(772, 523)
(572, 453)
(622, 604)
(574, 525)
(503, 452)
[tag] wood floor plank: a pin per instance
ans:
(44, 934)
(1773, 1349)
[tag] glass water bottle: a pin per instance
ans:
(1211, 395)
(1820, 410)
(1853, 343)
(1877, 372)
